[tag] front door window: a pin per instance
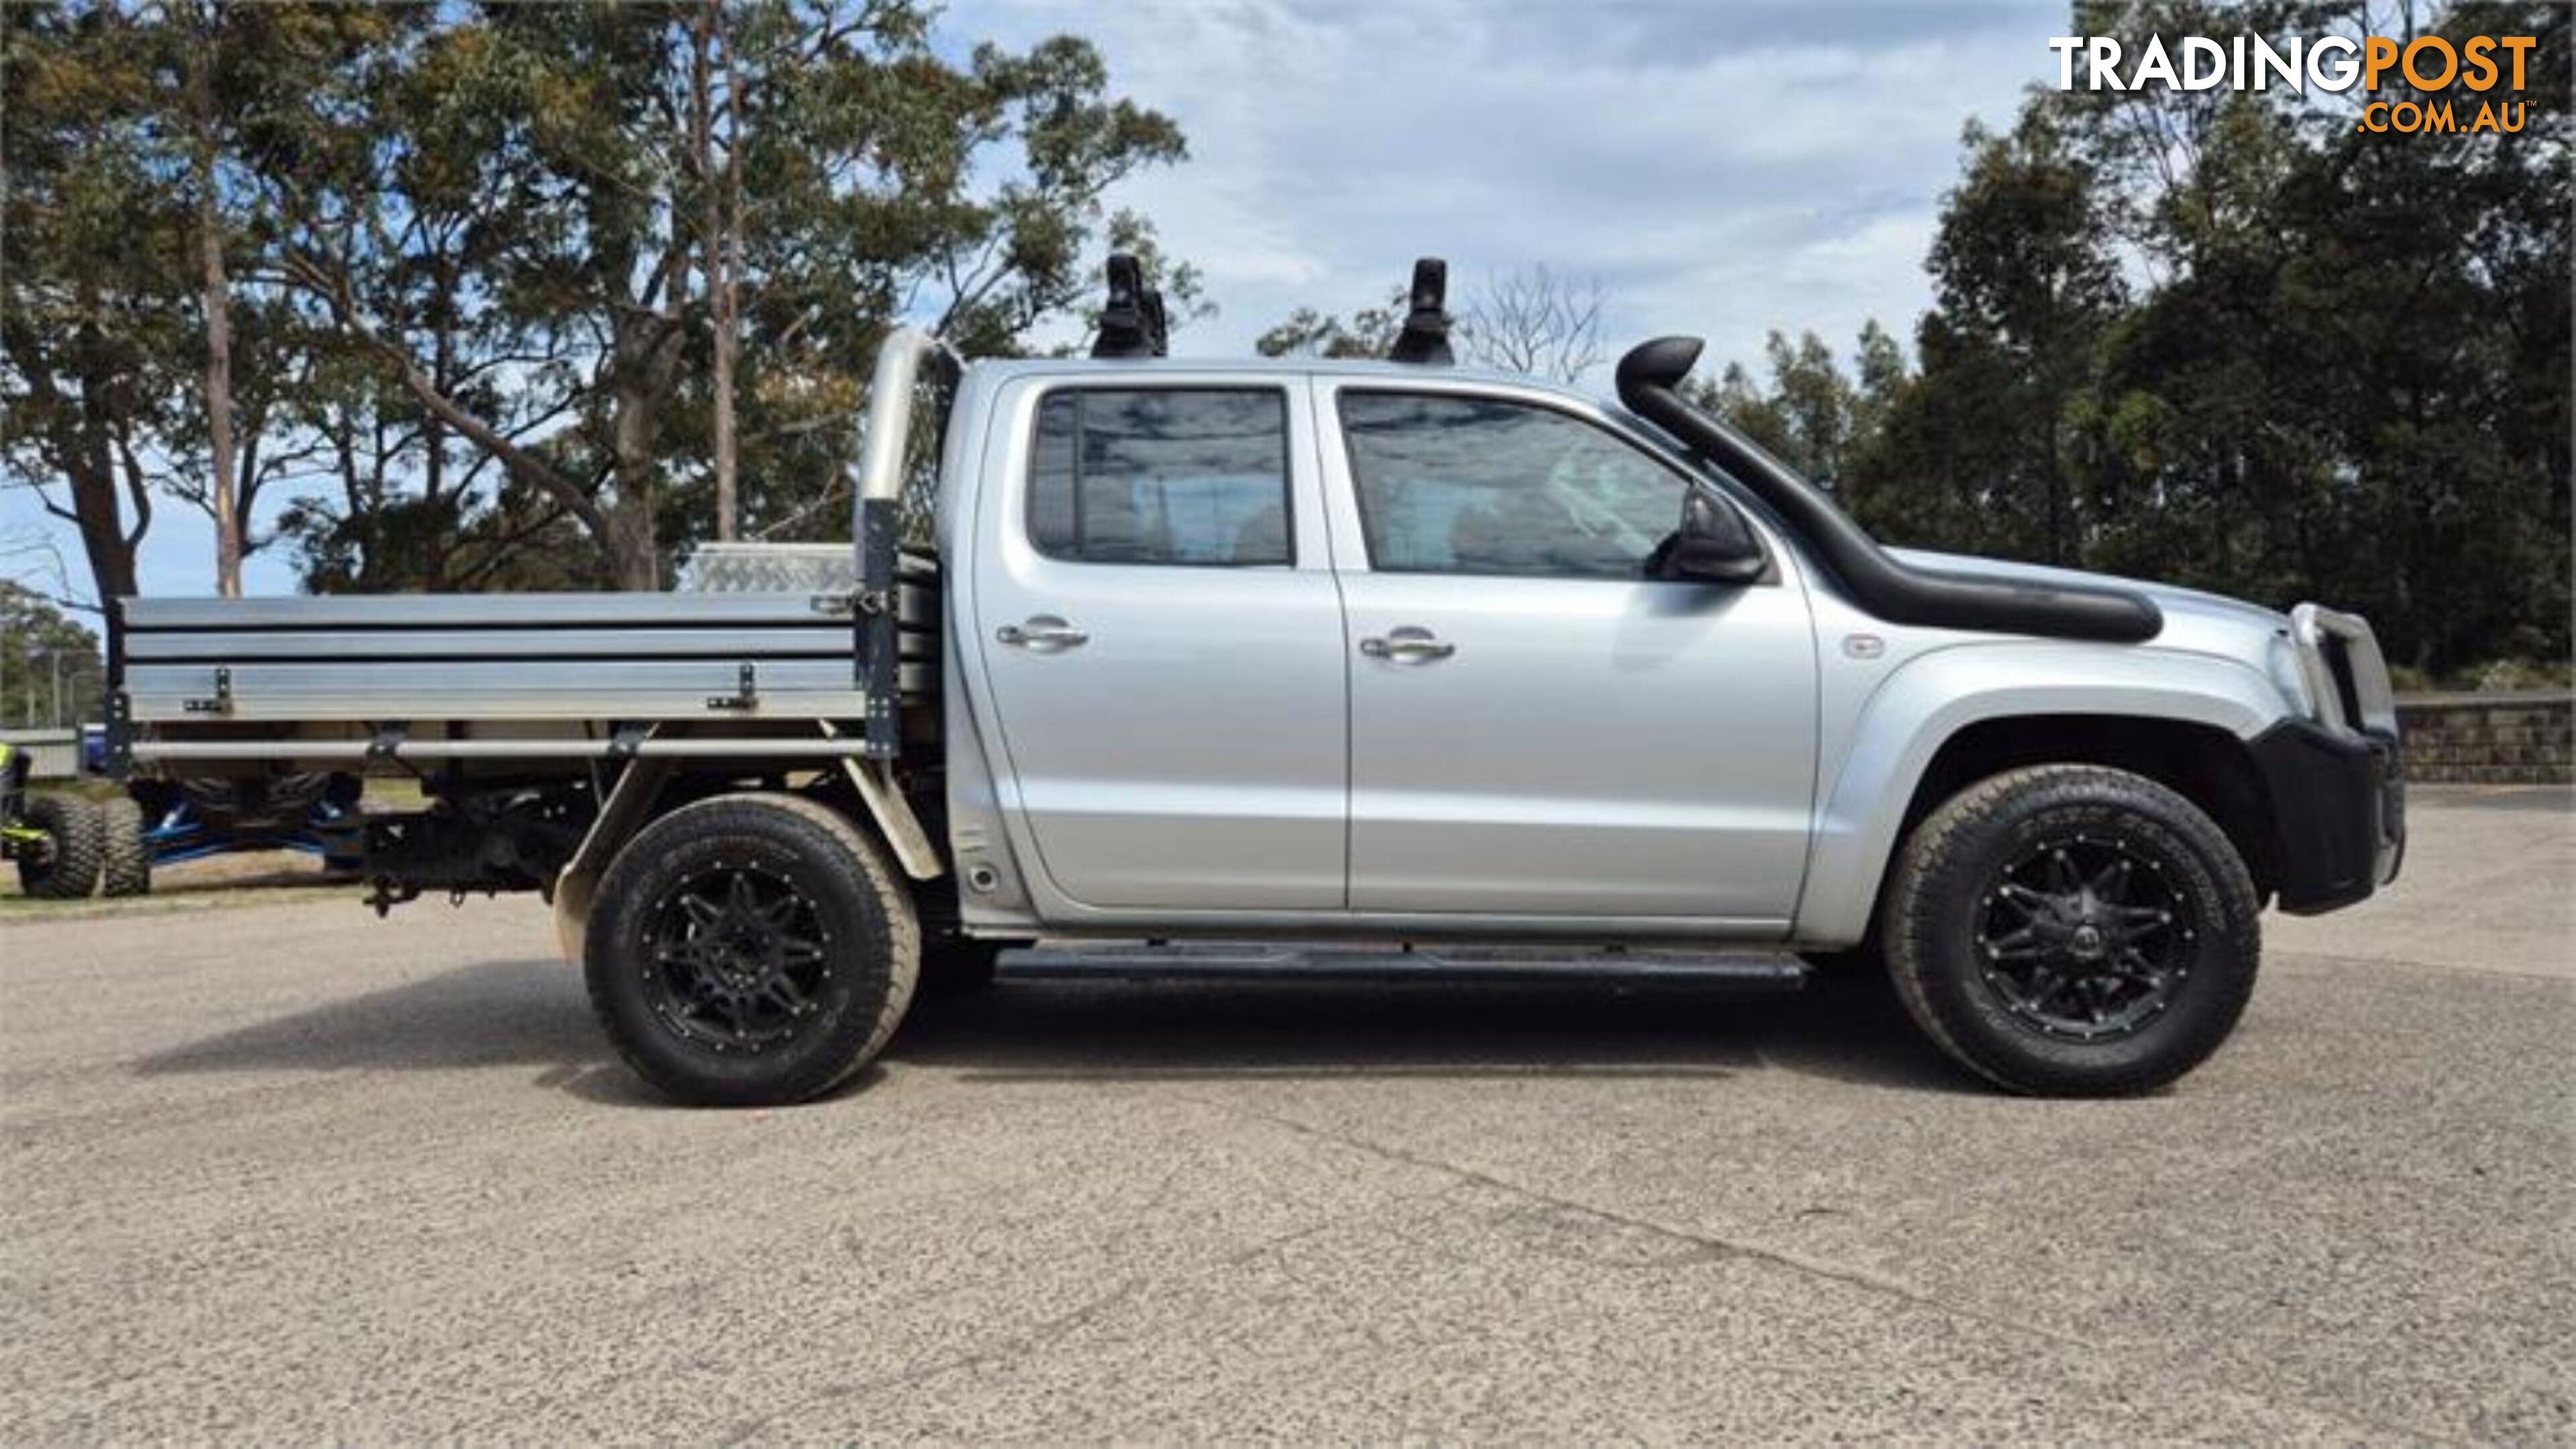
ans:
(1464, 485)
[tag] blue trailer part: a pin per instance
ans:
(197, 820)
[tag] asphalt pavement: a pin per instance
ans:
(285, 1172)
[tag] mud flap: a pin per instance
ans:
(629, 803)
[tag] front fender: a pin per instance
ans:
(1929, 698)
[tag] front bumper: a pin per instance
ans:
(2337, 779)
(2338, 811)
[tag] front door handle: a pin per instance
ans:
(1043, 632)
(1407, 645)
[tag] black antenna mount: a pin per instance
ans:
(1425, 338)
(1133, 324)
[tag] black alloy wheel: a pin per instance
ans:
(2082, 937)
(740, 957)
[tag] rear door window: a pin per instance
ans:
(1194, 477)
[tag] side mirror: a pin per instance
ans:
(1713, 545)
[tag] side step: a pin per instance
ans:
(1469, 965)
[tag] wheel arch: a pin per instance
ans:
(652, 787)
(1947, 719)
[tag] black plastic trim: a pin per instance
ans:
(1424, 339)
(876, 626)
(119, 761)
(1133, 323)
(2338, 813)
(1648, 377)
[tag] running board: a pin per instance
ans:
(1341, 965)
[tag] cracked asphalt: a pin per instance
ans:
(283, 1172)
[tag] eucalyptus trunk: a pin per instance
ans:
(218, 303)
(719, 247)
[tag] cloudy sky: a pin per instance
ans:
(1725, 167)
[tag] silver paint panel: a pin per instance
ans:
(567, 689)
(1594, 748)
(417, 611)
(822, 638)
(1418, 926)
(1190, 755)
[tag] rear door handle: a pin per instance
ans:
(1409, 644)
(1042, 632)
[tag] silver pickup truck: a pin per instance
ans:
(1295, 650)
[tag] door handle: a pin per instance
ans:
(1042, 632)
(1407, 645)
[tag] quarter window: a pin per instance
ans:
(1192, 476)
(1465, 485)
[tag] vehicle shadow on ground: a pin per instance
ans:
(534, 1014)
(1181, 1031)
(497, 1013)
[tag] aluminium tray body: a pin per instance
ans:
(527, 657)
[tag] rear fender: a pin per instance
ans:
(632, 802)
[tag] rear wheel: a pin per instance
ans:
(125, 859)
(2073, 930)
(66, 866)
(750, 949)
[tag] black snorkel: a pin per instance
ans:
(1649, 378)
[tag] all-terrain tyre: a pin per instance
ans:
(68, 870)
(750, 950)
(125, 860)
(2071, 930)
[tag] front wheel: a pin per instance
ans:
(2072, 930)
(749, 950)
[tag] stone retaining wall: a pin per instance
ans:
(2490, 739)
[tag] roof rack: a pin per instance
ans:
(1133, 324)
(1425, 338)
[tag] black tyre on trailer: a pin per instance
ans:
(125, 860)
(67, 868)
(2073, 930)
(750, 949)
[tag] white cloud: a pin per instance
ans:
(1725, 168)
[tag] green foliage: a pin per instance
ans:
(2231, 341)
(1306, 332)
(1534, 321)
(1810, 415)
(471, 257)
(95, 325)
(50, 666)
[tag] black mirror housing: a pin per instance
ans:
(1713, 545)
